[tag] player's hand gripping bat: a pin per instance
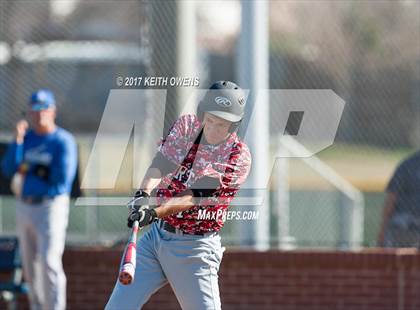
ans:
(140, 216)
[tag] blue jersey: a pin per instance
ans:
(50, 160)
(405, 183)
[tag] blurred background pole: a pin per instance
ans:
(163, 41)
(186, 49)
(253, 75)
(173, 42)
(282, 200)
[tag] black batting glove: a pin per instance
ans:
(141, 193)
(140, 200)
(144, 216)
(42, 172)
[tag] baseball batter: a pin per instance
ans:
(200, 165)
(46, 158)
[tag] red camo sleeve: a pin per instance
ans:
(174, 146)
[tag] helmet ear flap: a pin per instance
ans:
(234, 126)
(200, 113)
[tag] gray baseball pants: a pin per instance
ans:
(41, 229)
(189, 263)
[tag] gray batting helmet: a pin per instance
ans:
(224, 99)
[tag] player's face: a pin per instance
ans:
(215, 129)
(44, 118)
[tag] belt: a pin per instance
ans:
(168, 227)
(35, 200)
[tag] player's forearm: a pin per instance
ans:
(176, 204)
(151, 180)
(159, 167)
(12, 159)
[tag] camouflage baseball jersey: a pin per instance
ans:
(228, 162)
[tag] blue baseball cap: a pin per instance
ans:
(41, 100)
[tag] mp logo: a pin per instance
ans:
(322, 110)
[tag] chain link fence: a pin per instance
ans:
(366, 51)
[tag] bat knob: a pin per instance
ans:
(125, 278)
(126, 275)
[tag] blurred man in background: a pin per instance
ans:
(401, 218)
(44, 158)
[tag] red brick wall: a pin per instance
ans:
(371, 279)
